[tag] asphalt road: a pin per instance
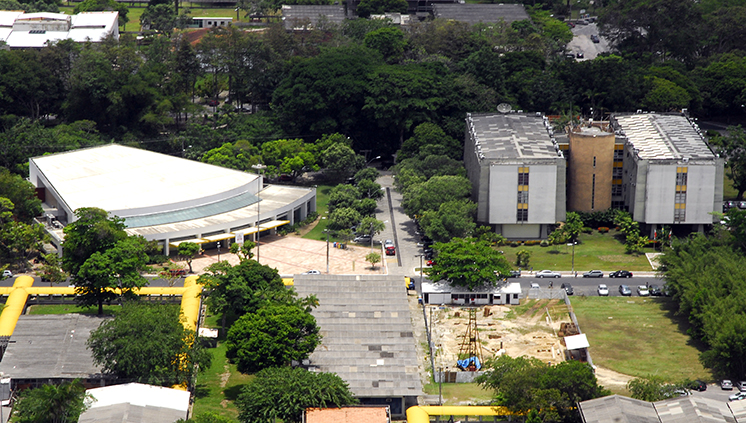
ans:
(581, 42)
(588, 286)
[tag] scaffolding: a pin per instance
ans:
(471, 347)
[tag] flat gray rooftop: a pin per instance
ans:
(367, 333)
(128, 413)
(300, 16)
(511, 136)
(658, 136)
(51, 346)
(475, 13)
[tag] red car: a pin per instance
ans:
(390, 250)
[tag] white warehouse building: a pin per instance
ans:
(517, 173)
(670, 174)
(161, 197)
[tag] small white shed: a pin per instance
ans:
(443, 293)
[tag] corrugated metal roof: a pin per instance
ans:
(516, 135)
(367, 333)
(658, 136)
(475, 13)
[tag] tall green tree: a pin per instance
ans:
(232, 291)
(147, 343)
(18, 241)
(453, 219)
(62, 403)
(469, 263)
(524, 383)
(733, 148)
(429, 195)
(119, 268)
(285, 393)
(92, 231)
(273, 336)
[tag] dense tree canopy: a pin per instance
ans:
(470, 263)
(523, 384)
(285, 393)
(273, 336)
(147, 343)
(62, 403)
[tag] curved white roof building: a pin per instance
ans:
(162, 197)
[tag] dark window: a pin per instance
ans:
(522, 215)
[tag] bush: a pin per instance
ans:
(513, 243)
(603, 230)
(544, 243)
(587, 230)
(532, 242)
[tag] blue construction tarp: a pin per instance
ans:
(465, 363)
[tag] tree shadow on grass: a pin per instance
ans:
(233, 392)
(201, 391)
(668, 305)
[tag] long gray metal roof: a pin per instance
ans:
(308, 16)
(475, 13)
(687, 409)
(367, 333)
(658, 136)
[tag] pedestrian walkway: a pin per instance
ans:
(291, 255)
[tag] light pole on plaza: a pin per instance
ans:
(259, 168)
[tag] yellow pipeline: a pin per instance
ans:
(14, 305)
(190, 302)
(422, 413)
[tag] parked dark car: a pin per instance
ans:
(177, 272)
(741, 205)
(515, 274)
(727, 205)
(213, 103)
(620, 274)
(655, 291)
(568, 288)
(580, 55)
(698, 385)
(595, 38)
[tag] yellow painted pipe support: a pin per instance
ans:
(422, 413)
(14, 305)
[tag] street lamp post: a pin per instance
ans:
(421, 256)
(259, 168)
(374, 158)
(327, 250)
(218, 250)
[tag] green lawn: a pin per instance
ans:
(210, 395)
(322, 207)
(70, 308)
(594, 251)
(639, 337)
(459, 393)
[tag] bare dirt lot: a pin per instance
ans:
(515, 331)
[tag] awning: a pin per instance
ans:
(272, 224)
(218, 237)
(576, 342)
(177, 243)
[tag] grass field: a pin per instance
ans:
(322, 207)
(460, 393)
(70, 308)
(639, 337)
(594, 251)
(210, 395)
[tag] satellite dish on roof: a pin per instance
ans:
(504, 108)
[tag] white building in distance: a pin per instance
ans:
(35, 30)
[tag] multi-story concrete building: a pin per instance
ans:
(670, 174)
(658, 167)
(517, 173)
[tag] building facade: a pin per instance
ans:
(670, 174)
(517, 173)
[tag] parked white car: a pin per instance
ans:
(737, 396)
(642, 290)
(312, 272)
(548, 274)
(603, 290)
(7, 274)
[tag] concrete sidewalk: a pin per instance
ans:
(291, 254)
